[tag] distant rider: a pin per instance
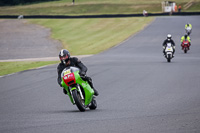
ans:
(186, 37)
(145, 13)
(67, 61)
(190, 26)
(168, 40)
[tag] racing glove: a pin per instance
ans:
(82, 73)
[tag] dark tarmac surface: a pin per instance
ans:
(20, 40)
(139, 91)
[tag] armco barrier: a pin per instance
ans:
(96, 16)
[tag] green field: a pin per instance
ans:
(65, 7)
(87, 36)
(83, 36)
(91, 36)
(12, 67)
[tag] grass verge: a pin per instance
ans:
(91, 36)
(13, 67)
(88, 7)
(82, 37)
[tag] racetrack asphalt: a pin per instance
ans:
(140, 92)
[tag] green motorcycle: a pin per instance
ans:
(78, 90)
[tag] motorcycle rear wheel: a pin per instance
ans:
(79, 102)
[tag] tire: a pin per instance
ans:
(93, 105)
(168, 58)
(185, 50)
(79, 103)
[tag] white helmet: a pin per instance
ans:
(169, 37)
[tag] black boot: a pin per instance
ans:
(64, 91)
(96, 93)
(163, 52)
(91, 84)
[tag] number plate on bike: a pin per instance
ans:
(67, 72)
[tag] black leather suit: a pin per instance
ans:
(77, 63)
(165, 45)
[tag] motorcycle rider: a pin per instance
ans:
(168, 40)
(67, 61)
(188, 25)
(186, 37)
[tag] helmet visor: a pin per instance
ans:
(64, 57)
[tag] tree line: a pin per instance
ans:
(20, 2)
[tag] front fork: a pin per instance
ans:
(78, 89)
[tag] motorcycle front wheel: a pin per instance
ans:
(168, 58)
(79, 102)
(185, 50)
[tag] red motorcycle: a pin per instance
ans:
(185, 46)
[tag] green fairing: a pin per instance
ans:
(89, 92)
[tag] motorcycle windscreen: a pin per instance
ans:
(169, 48)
